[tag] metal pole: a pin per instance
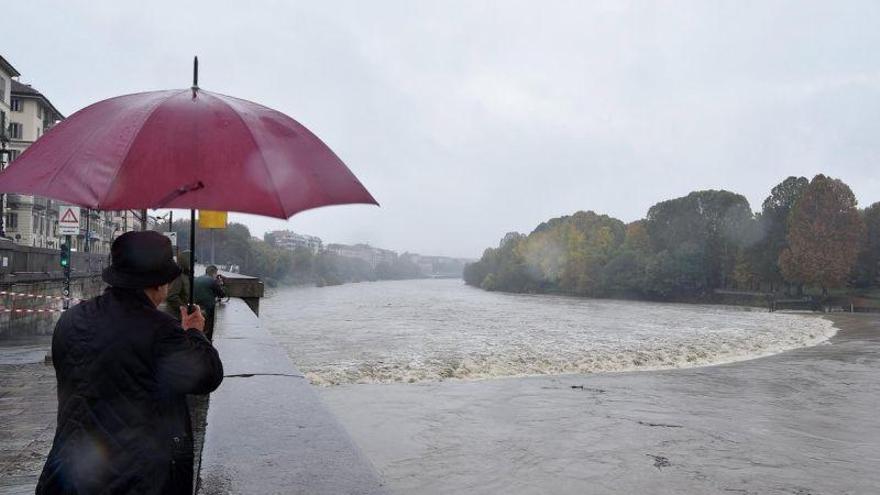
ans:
(171, 229)
(192, 212)
(143, 220)
(192, 256)
(66, 288)
(88, 230)
(212, 247)
(3, 153)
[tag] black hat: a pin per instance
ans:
(140, 260)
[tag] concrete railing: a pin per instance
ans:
(249, 289)
(24, 263)
(267, 430)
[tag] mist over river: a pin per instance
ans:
(432, 330)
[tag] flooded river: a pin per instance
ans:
(430, 330)
(449, 389)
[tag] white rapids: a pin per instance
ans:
(433, 330)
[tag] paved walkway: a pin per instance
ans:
(27, 413)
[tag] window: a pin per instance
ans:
(12, 220)
(2, 89)
(13, 154)
(39, 132)
(15, 130)
(15, 105)
(39, 111)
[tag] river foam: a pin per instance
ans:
(418, 331)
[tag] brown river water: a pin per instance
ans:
(449, 389)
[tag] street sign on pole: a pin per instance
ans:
(65, 264)
(68, 220)
(209, 219)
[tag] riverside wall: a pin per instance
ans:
(267, 430)
(29, 274)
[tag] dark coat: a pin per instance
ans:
(206, 290)
(123, 370)
(178, 291)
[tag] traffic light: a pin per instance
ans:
(65, 255)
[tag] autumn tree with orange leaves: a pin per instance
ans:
(824, 235)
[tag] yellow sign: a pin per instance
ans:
(209, 219)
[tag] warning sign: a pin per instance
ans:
(68, 220)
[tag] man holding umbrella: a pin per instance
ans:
(124, 369)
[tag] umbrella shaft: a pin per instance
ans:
(192, 256)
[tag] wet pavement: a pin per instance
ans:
(27, 413)
(803, 422)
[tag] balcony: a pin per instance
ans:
(19, 200)
(40, 203)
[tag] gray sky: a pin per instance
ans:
(470, 119)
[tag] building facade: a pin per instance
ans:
(26, 114)
(29, 220)
(291, 240)
(7, 72)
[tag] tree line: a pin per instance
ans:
(275, 265)
(809, 233)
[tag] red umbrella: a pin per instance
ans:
(184, 148)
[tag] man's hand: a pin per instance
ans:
(192, 320)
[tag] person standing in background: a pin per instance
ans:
(207, 288)
(178, 292)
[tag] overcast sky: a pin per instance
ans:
(470, 119)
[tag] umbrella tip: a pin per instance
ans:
(196, 71)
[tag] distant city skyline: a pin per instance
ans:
(467, 120)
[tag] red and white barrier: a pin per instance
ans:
(28, 310)
(38, 296)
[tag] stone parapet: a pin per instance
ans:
(267, 429)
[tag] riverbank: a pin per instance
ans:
(799, 422)
(858, 301)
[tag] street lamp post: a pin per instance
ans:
(88, 247)
(4, 157)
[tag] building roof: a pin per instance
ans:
(6, 66)
(22, 90)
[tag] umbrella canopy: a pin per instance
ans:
(185, 148)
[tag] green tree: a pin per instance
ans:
(705, 227)
(867, 270)
(773, 223)
(626, 272)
